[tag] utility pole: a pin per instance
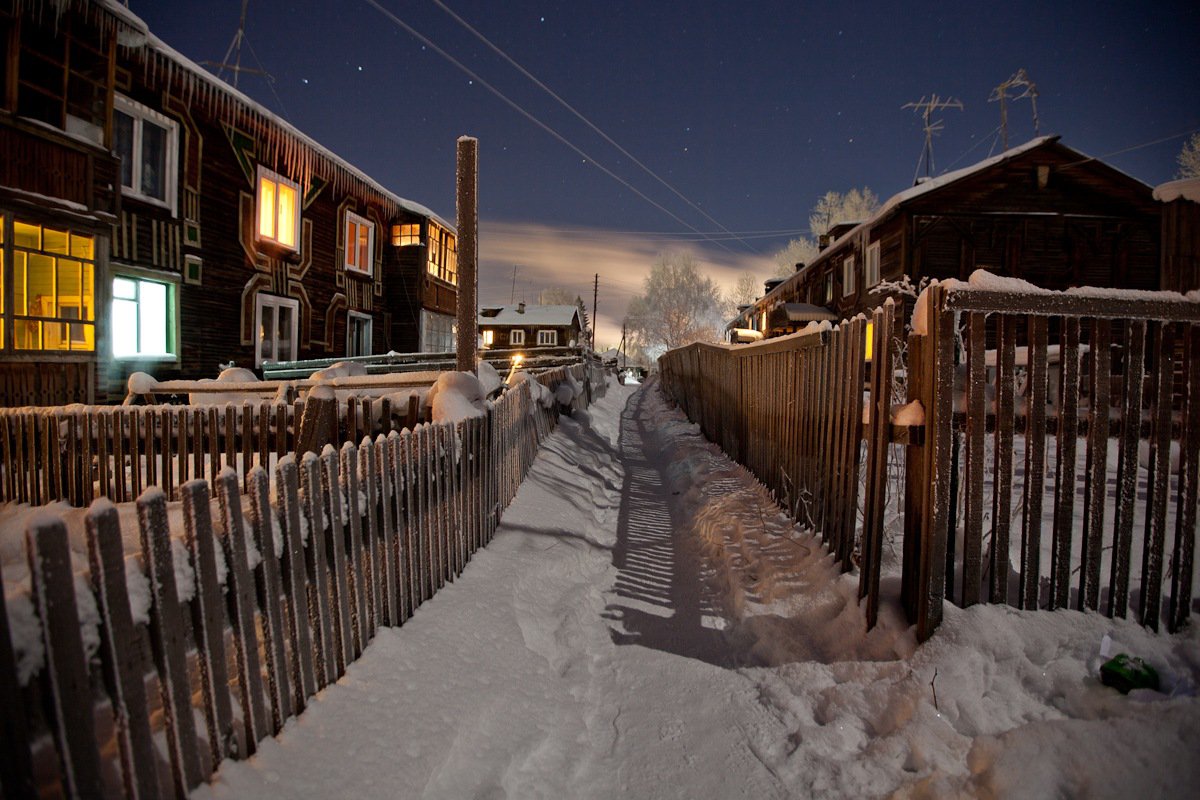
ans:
(595, 295)
(468, 252)
(1018, 80)
(624, 357)
(926, 109)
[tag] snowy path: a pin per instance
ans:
(647, 624)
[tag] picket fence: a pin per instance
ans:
(801, 415)
(368, 533)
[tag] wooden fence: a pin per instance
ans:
(367, 533)
(79, 453)
(1021, 396)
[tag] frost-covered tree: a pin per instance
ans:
(747, 289)
(835, 207)
(556, 296)
(1189, 158)
(798, 251)
(677, 306)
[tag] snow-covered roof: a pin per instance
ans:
(532, 315)
(202, 86)
(1185, 188)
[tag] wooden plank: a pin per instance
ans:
(168, 462)
(69, 703)
(103, 429)
(1184, 551)
(354, 547)
(1061, 304)
(402, 464)
(423, 554)
(263, 432)
(240, 593)
(150, 445)
(317, 570)
(1096, 467)
(89, 488)
(369, 483)
(198, 465)
(1035, 467)
(940, 392)
(343, 629)
(120, 423)
(66, 478)
(16, 767)
(295, 583)
(213, 447)
(388, 563)
(976, 431)
(874, 504)
(168, 641)
(181, 444)
(247, 442)
(1127, 467)
(269, 596)
(1064, 472)
(852, 437)
(208, 621)
(121, 655)
(231, 449)
(1159, 477)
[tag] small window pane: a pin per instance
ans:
(26, 235)
(266, 332)
(124, 327)
(124, 289)
(287, 215)
(154, 160)
(55, 241)
(27, 334)
(82, 247)
(152, 317)
(284, 334)
(364, 247)
(266, 207)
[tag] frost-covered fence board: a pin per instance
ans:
(16, 768)
(883, 324)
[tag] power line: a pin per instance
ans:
(1132, 147)
(495, 48)
(514, 106)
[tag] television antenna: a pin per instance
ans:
(926, 108)
(1018, 80)
(235, 50)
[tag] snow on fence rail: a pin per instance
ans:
(1012, 493)
(266, 608)
(78, 453)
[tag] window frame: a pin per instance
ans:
(73, 329)
(871, 265)
(141, 114)
(516, 337)
(126, 272)
(359, 317)
(358, 221)
(848, 276)
(278, 180)
(261, 300)
(547, 337)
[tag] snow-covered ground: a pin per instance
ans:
(647, 624)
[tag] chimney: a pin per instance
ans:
(521, 308)
(823, 241)
(799, 266)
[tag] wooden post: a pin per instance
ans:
(468, 228)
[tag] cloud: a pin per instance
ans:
(547, 256)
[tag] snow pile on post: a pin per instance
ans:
(456, 396)
(489, 378)
(540, 394)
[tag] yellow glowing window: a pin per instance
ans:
(488, 337)
(406, 235)
(278, 209)
(53, 276)
(443, 254)
(360, 243)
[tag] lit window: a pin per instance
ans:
(848, 276)
(278, 209)
(147, 143)
(443, 254)
(828, 288)
(406, 235)
(276, 322)
(53, 289)
(143, 313)
(358, 334)
(548, 338)
(871, 267)
(489, 336)
(516, 337)
(360, 244)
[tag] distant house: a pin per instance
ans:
(1042, 212)
(157, 219)
(521, 326)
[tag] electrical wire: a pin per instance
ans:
(512, 62)
(516, 107)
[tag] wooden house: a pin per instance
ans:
(1041, 211)
(531, 327)
(159, 220)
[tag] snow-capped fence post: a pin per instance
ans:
(70, 699)
(354, 548)
(1006, 336)
(384, 445)
(317, 570)
(1183, 552)
(16, 768)
(167, 641)
(269, 595)
(332, 494)
(295, 584)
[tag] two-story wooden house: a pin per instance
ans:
(156, 219)
(1041, 211)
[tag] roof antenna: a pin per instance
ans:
(926, 108)
(1019, 80)
(235, 50)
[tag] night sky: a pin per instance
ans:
(750, 111)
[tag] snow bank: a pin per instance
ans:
(489, 378)
(541, 395)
